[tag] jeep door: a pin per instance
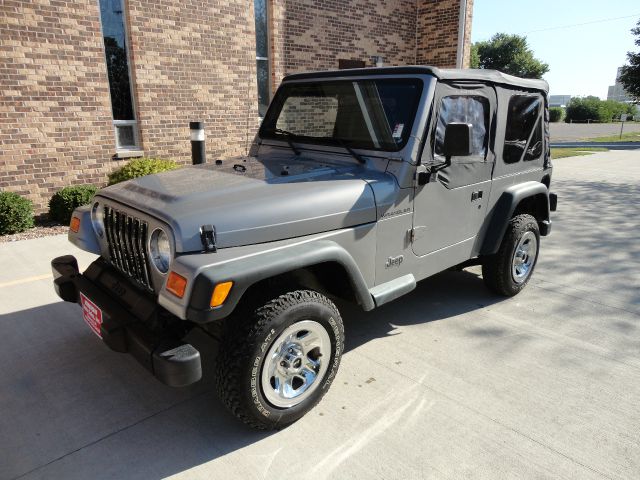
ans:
(450, 209)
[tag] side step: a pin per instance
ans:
(388, 291)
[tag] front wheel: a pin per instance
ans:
(509, 270)
(277, 362)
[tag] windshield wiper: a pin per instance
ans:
(288, 137)
(353, 153)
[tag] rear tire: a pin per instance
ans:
(278, 360)
(509, 270)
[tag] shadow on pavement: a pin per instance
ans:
(595, 245)
(67, 402)
(442, 296)
(72, 403)
(62, 390)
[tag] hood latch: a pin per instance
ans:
(208, 238)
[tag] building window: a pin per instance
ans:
(344, 63)
(117, 58)
(262, 54)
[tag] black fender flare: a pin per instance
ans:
(245, 272)
(506, 206)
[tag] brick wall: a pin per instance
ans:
(194, 60)
(313, 34)
(438, 23)
(190, 60)
(55, 112)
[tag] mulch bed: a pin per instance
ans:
(43, 230)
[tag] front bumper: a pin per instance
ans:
(130, 320)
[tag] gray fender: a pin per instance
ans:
(246, 271)
(506, 206)
(85, 238)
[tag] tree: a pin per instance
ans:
(556, 114)
(630, 75)
(593, 109)
(475, 57)
(509, 54)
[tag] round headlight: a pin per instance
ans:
(160, 250)
(97, 219)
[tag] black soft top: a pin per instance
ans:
(445, 74)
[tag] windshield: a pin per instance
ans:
(368, 114)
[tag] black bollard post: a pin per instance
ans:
(198, 155)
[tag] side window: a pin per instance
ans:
(467, 109)
(520, 139)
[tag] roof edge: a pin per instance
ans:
(465, 75)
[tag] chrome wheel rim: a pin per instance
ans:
(295, 364)
(524, 257)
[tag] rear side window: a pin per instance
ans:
(523, 135)
(465, 109)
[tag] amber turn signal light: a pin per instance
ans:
(75, 224)
(220, 293)
(176, 284)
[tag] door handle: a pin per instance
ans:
(476, 195)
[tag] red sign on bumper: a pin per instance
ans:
(91, 314)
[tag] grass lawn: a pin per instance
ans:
(574, 152)
(626, 137)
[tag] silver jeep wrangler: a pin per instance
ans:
(358, 184)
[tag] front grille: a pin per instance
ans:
(127, 239)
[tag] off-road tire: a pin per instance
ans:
(497, 268)
(246, 340)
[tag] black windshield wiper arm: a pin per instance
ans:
(288, 137)
(353, 153)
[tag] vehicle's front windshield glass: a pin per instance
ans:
(367, 114)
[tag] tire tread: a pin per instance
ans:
(244, 332)
(496, 269)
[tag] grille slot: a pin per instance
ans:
(127, 239)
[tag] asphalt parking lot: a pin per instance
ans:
(573, 132)
(447, 382)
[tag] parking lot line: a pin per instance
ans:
(25, 280)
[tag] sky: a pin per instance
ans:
(583, 59)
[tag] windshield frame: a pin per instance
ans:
(279, 98)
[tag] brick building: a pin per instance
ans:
(86, 84)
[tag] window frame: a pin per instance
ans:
(136, 139)
(132, 122)
(279, 99)
(262, 58)
(538, 126)
(487, 118)
(538, 121)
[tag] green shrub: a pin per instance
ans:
(16, 213)
(556, 114)
(591, 108)
(64, 202)
(141, 167)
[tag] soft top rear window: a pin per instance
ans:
(367, 114)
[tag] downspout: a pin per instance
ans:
(462, 24)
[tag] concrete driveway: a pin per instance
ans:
(448, 382)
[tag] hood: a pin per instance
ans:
(250, 201)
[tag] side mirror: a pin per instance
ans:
(457, 140)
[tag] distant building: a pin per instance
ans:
(559, 100)
(617, 91)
